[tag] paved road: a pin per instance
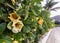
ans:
(54, 36)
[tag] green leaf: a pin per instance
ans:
(20, 12)
(26, 29)
(31, 36)
(2, 27)
(1, 12)
(28, 21)
(34, 12)
(45, 26)
(9, 26)
(38, 1)
(5, 17)
(19, 36)
(5, 39)
(1, 1)
(26, 15)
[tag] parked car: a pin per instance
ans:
(56, 19)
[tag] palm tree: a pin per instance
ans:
(49, 4)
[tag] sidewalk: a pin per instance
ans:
(54, 36)
(45, 37)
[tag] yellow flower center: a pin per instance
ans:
(14, 16)
(18, 25)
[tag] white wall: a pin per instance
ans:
(58, 10)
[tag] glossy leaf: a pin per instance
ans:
(2, 27)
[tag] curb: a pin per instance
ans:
(44, 39)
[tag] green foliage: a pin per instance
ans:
(2, 27)
(26, 29)
(5, 39)
(9, 26)
(1, 1)
(0, 12)
(30, 12)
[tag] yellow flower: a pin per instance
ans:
(15, 41)
(12, 38)
(34, 29)
(40, 22)
(13, 1)
(32, 19)
(17, 26)
(37, 18)
(3, 42)
(13, 16)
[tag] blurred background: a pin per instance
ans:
(53, 13)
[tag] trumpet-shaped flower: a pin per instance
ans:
(13, 1)
(40, 22)
(13, 16)
(15, 41)
(17, 26)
